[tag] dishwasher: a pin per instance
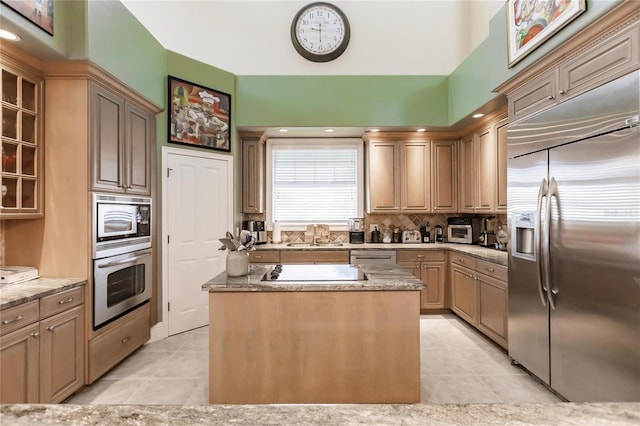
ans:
(360, 257)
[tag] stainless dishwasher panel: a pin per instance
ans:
(360, 257)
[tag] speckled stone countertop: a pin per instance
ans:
(618, 414)
(379, 277)
(488, 254)
(15, 294)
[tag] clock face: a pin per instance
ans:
(320, 32)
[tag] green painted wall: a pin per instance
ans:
(472, 83)
(123, 47)
(341, 101)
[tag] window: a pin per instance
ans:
(314, 181)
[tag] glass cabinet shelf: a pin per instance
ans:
(20, 170)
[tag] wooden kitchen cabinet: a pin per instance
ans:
(252, 175)
(598, 63)
(43, 360)
(430, 268)
(121, 143)
(314, 256)
(264, 257)
(21, 113)
(501, 166)
(409, 175)
(479, 295)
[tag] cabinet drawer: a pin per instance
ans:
(420, 256)
(264, 256)
(60, 302)
(491, 269)
(110, 348)
(19, 316)
(463, 259)
(317, 256)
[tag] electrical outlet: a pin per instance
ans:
(373, 227)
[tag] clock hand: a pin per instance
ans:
(320, 29)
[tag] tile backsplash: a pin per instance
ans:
(404, 222)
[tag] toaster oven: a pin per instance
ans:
(463, 230)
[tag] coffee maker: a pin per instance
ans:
(487, 236)
(356, 230)
(256, 227)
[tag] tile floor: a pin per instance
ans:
(458, 365)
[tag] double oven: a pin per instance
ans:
(122, 255)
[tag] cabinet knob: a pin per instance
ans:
(35, 335)
(489, 269)
(18, 318)
(65, 301)
(550, 97)
(126, 339)
(562, 92)
(51, 327)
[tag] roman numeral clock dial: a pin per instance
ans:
(320, 32)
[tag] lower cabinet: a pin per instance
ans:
(314, 257)
(43, 362)
(264, 256)
(479, 295)
(430, 268)
(118, 341)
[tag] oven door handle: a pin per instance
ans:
(123, 261)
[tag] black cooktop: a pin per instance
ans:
(315, 273)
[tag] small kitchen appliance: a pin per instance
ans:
(258, 232)
(356, 230)
(463, 229)
(487, 237)
(438, 234)
(411, 236)
(375, 235)
(425, 234)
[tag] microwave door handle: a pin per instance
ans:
(542, 290)
(123, 261)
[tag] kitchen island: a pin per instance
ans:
(315, 334)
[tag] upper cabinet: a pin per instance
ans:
(22, 172)
(483, 169)
(410, 175)
(612, 50)
(121, 143)
(252, 174)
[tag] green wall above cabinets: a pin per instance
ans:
(341, 101)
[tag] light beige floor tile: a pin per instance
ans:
(519, 389)
(106, 391)
(185, 365)
(139, 365)
(457, 390)
(165, 391)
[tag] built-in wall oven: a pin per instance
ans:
(122, 255)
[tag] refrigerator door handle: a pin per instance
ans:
(552, 192)
(542, 289)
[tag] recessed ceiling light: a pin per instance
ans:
(283, 130)
(478, 115)
(421, 130)
(328, 130)
(375, 130)
(8, 35)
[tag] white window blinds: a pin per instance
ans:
(316, 182)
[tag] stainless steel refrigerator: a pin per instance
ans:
(574, 256)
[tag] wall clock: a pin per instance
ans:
(320, 32)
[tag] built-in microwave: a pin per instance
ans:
(463, 230)
(121, 224)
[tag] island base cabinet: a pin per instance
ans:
(19, 370)
(314, 347)
(61, 355)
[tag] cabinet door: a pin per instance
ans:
(107, 140)
(19, 366)
(252, 176)
(501, 166)
(433, 275)
(534, 96)
(492, 319)
(383, 177)
(467, 175)
(486, 171)
(413, 267)
(139, 131)
(464, 294)
(444, 169)
(415, 175)
(61, 355)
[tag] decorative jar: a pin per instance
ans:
(237, 263)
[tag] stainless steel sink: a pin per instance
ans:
(329, 244)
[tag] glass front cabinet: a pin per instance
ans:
(22, 173)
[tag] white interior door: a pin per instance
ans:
(199, 211)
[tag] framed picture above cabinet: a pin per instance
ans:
(199, 116)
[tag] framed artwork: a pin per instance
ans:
(199, 116)
(40, 12)
(532, 22)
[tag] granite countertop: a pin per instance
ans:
(16, 294)
(619, 414)
(379, 277)
(484, 253)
